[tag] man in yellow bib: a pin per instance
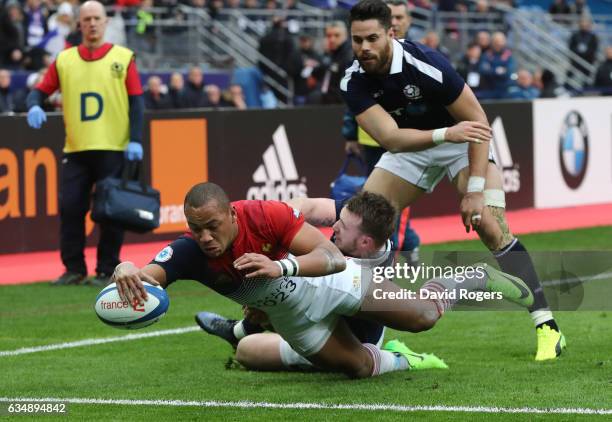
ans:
(103, 116)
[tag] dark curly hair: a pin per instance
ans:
(371, 9)
(378, 216)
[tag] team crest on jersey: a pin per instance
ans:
(412, 92)
(116, 70)
(165, 254)
(266, 247)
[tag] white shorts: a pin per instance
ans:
(426, 168)
(322, 300)
(293, 360)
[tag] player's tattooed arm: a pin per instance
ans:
(317, 211)
(334, 262)
(315, 254)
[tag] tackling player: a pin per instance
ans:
(240, 250)
(360, 234)
(409, 99)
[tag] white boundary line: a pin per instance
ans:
(321, 406)
(574, 280)
(94, 341)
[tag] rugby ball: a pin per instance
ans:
(121, 314)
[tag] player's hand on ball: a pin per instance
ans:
(472, 207)
(467, 131)
(257, 265)
(128, 279)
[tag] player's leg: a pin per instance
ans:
(267, 352)
(270, 352)
(343, 352)
(402, 179)
(230, 330)
(513, 258)
(397, 190)
(389, 304)
(74, 197)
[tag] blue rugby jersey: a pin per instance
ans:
(419, 86)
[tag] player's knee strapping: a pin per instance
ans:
(495, 198)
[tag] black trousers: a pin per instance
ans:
(79, 172)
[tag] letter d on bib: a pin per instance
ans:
(95, 103)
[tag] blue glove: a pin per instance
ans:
(134, 151)
(36, 117)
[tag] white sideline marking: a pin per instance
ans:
(323, 406)
(574, 280)
(94, 341)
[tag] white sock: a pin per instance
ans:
(239, 332)
(540, 316)
(385, 361)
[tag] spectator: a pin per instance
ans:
(215, 98)
(483, 18)
(400, 18)
(470, 68)
(236, 97)
(432, 40)
(581, 8)
(11, 35)
(603, 77)
(61, 24)
(176, 90)
(524, 88)
(559, 10)
(35, 22)
(193, 93)
(338, 57)
(154, 97)
(549, 86)
(584, 44)
(11, 100)
(214, 9)
(483, 39)
(277, 46)
(145, 32)
(498, 67)
(303, 62)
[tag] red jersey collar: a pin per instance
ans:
(97, 54)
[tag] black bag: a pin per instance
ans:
(345, 185)
(126, 202)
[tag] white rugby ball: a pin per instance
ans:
(121, 314)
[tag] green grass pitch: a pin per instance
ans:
(490, 355)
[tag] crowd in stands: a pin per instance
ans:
(33, 32)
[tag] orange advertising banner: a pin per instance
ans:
(179, 159)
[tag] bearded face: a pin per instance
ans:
(372, 45)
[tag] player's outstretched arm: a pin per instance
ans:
(381, 126)
(314, 254)
(128, 278)
(316, 211)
